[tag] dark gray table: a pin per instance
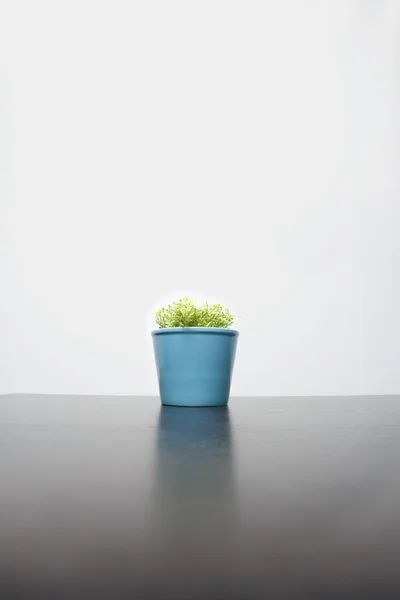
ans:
(116, 497)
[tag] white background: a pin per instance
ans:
(246, 151)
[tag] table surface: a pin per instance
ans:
(118, 497)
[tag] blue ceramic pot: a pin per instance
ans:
(194, 364)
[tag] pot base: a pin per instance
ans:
(188, 405)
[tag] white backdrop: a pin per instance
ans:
(242, 150)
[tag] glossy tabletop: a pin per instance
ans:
(118, 497)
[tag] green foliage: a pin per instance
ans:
(186, 313)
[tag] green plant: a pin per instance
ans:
(186, 313)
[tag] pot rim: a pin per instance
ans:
(215, 330)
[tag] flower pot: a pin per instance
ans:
(194, 364)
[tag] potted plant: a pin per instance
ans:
(195, 352)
